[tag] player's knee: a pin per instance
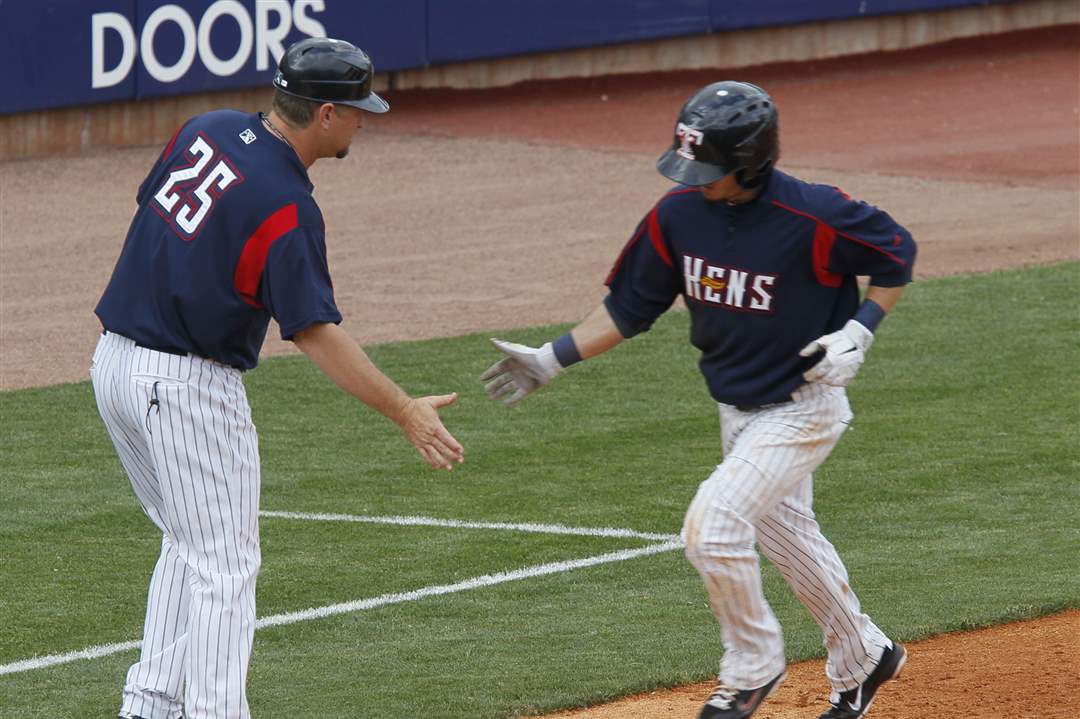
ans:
(720, 534)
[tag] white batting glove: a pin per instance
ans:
(521, 372)
(845, 351)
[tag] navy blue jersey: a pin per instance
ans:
(226, 235)
(761, 280)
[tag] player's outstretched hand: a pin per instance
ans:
(422, 427)
(523, 371)
(845, 351)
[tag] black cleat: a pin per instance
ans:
(854, 703)
(728, 703)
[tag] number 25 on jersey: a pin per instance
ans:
(187, 197)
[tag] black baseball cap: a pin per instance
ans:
(322, 69)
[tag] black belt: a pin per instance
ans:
(166, 350)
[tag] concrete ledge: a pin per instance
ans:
(149, 122)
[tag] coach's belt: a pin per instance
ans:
(166, 350)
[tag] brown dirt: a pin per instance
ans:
(469, 211)
(1027, 670)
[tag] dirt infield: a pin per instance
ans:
(989, 674)
(468, 211)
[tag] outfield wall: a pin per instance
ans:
(152, 65)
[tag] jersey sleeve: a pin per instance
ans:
(643, 283)
(867, 241)
(296, 288)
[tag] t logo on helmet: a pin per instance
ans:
(688, 136)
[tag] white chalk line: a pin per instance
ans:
(461, 524)
(669, 543)
(486, 580)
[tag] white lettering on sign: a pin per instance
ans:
(99, 23)
(214, 64)
(271, 42)
(257, 35)
(164, 14)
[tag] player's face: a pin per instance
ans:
(726, 189)
(346, 121)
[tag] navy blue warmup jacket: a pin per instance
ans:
(761, 280)
(226, 236)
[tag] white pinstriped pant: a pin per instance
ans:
(763, 492)
(193, 461)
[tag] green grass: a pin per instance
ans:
(953, 500)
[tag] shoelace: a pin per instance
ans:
(723, 696)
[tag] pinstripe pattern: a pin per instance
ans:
(193, 462)
(762, 493)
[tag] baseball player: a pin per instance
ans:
(226, 236)
(767, 266)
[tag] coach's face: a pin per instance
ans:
(340, 123)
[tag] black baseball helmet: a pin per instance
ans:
(326, 70)
(725, 127)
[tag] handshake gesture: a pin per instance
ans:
(522, 371)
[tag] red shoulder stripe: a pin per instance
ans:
(656, 236)
(845, 235)
(249, 269)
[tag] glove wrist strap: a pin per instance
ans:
(566, 351)
(870, 315)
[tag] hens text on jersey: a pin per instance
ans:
(727, 286)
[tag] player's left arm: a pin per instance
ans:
(868, 242)
(525, 369)
(642, 286)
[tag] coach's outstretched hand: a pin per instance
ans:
(421, 424)
(342, 359)
(845, 351)
(523, 371)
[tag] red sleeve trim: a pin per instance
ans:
(625, 250)
(824, 239)
(249, 269)
(657, 236)
(846, 236)
(169, 147)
